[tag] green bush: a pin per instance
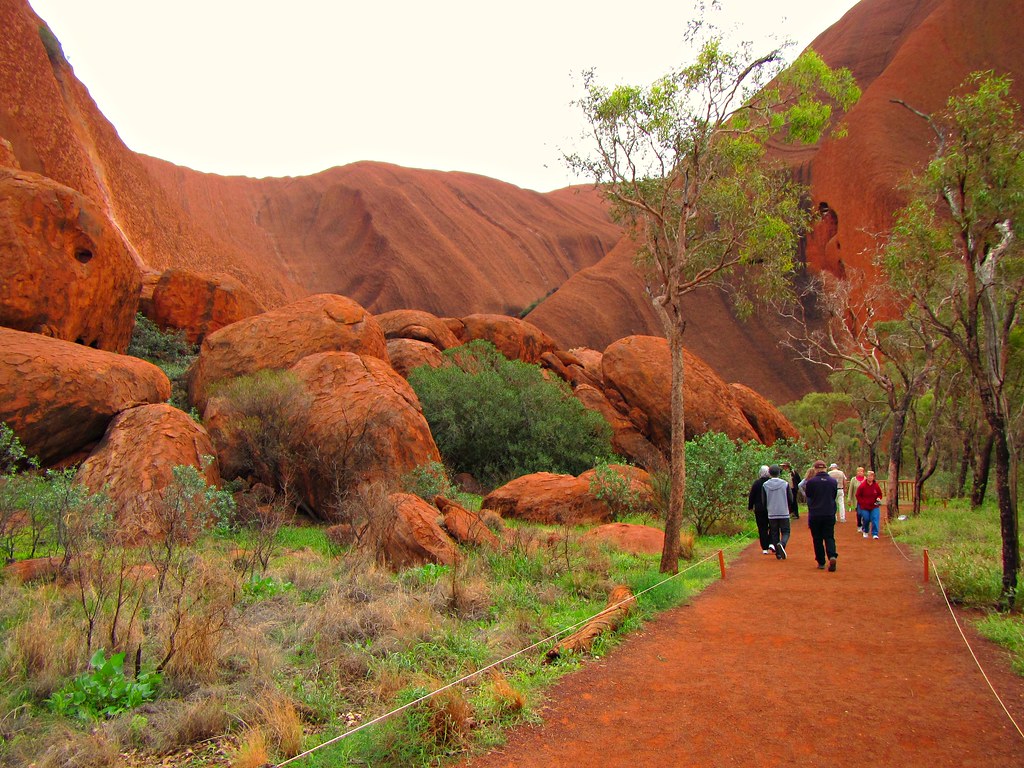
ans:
(428, 480)
(719, 472)
(615, 489)
(168, 350)
(104, 691)
(497, 418)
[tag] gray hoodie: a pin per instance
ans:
(776, 497)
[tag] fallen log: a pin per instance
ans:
(620, 604)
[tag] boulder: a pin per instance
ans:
(65, 270)
(627, 440)
(406, 354)
(59, 397)
(635, 539)
(767, 420)
(133, 465)
(416, 538)
(516, 339)
(364, 424)
(282, 337)
(33, 569)
(639, 369)
(199, 304)
(465, 526)
(547, 498)
(419, 325)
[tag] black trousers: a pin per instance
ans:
(823, 534)
(779, 532)
(762, 527)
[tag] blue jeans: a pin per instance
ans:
(872, 518)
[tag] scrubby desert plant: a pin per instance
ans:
(497, 418)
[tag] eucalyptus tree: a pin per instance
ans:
(682, 162)
(956, 253)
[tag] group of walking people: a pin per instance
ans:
(775, 497)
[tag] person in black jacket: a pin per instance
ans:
(755, 501)
(820, 490)
(791, 477)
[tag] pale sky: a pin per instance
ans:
(289, 88)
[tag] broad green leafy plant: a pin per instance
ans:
(104, 691)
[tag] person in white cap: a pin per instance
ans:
(840, 477)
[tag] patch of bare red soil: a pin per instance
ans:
(783, 664)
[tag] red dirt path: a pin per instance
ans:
(783, 664)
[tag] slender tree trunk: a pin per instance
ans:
(899, 426)
(677, 470)
(1008, 523)
(966, 455)
(982, 465)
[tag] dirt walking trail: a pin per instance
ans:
(783, 664)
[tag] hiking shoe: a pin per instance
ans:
(831, 564)
(874, 537)
(821, 566)
(765, 551)
(865, 534)
(780, 551)
(771, 547)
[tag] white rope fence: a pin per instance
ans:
(956, 621)
(742, 540)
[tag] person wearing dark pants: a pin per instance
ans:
(820, 490)
(755, 501)
(776, 500)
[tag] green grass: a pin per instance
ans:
(965, 548)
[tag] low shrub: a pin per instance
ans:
(104, 691)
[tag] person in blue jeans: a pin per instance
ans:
(869, 504)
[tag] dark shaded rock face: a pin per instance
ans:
(64, 270)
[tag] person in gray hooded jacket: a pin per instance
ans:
(777, 495)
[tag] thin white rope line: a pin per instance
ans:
(606, 609)
(981, 669)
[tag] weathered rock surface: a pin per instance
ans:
(133, 463)
(465, 526)
(547, 498)
(281, 337)
(406, 354)
(199, 304)
(636, 539)
(767, 420)
(516, 339)
(364, 424)
(416, 538)
(59, 397)
(627, 440)
(639, 368)
(64, 270)
(419, 325)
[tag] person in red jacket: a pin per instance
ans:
(869, 503)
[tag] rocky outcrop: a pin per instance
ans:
(418, 325)
(406, 354)
(639, 369)
(415, 537)
(549, 499)
(516, 339)
(198, 304)
(281, 337)
(627, 537)
(627, 440)
(59, 397)
(465, 526)
(64, 270)
(767, 421)
(133, 464)
(364, 424)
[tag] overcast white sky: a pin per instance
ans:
(273, 88)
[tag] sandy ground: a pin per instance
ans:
(783, 664)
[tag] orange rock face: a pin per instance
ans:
(636, 539)
(638, 367)
(627, 440)
(134, 460)
(59, 397)
(416, 538)
(547, 498)
(418, 325)
(465, 526)
(516, 339)
(199, 304)
(282, 337)
(406, 354)
(765, 418)
(64, 269)
(364, 422)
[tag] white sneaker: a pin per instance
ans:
(865, 535)
(874, 537)
(764, 551)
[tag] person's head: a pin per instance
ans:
(860, 472)
(869, 476)
(763, 471)
(774, 470)
(785, 465)
(832, 466)
(819, 467)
